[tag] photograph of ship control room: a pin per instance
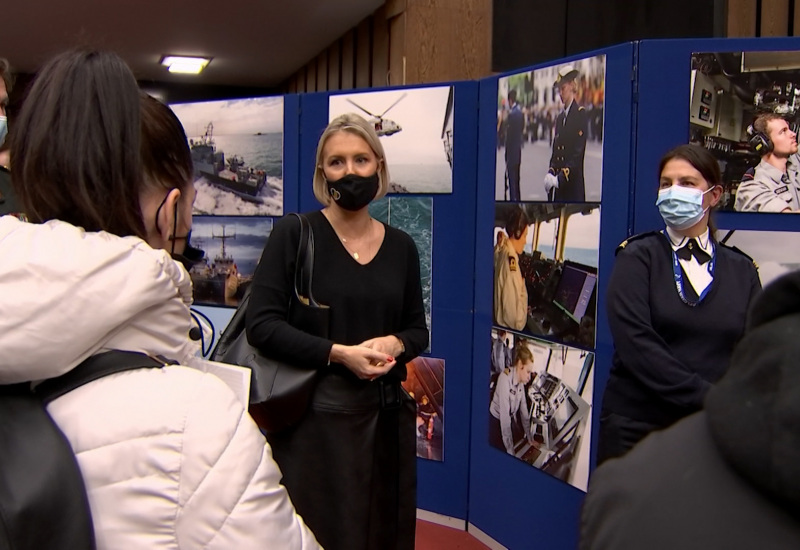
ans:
(730, 92)
(545, 265)
(549, 428)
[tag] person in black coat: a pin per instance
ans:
(677, 302)
(515, 123)
(726, 477)
(564, 180)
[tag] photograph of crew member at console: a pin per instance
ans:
(540, 406)
(744, 107)
(545, 269)
(677, 301)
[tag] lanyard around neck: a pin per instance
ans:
(677, 273)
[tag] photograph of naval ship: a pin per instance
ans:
(232, 175)
(232, 249)
(237, 152)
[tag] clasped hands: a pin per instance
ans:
(369, 359)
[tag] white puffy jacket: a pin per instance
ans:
(169, 456)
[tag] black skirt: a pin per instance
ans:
(350, 465)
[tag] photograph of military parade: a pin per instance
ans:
(550, 133)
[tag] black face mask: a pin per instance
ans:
(353, 192)
(191, 255)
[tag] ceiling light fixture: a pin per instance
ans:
(185, 65)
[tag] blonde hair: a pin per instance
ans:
(356, 125)
(522, 354)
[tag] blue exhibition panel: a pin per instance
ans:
(442, 485)
(664, 83)
(513, 502)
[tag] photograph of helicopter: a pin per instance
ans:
(417, 139)
(383, 126)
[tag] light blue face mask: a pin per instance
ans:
(3, 129)
(681, 207)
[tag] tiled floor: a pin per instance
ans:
(431, 536)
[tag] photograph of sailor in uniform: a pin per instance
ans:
(550, 133)
(237, 152)
(775, 182)
(540, 406)
(545, 270)
(744, 108)
(415, 126)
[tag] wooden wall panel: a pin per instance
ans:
(334, 66)
(348, 61)
(380, 48)
(775, 18)
(741, 18)
(311, 76)
(397, 43)
(796, 22)
(363, 67)
(322, 71)
(395, 7)
(447, 40)
(301, 81)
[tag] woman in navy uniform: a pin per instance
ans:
(508, 401)
(677, 302)
(564, 179)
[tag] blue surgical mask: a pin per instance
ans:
(681, 207)
(3, 129)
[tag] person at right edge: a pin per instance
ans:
(727, 477)
(350, 464)
(676, 301)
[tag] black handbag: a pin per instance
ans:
(279, 391)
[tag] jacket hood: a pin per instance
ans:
(754, 411)
(66, 294)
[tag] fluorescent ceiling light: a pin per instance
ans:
(185, 65)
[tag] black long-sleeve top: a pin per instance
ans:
(667, 354)
(380, 298)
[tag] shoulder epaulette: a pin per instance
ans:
(632, 238)
(739, 251)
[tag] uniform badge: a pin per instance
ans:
(512, 263)
(782, 189)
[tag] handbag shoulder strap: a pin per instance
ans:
(304, 263)
(94, 368)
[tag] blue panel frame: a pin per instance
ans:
(517, 505)
(441, 486)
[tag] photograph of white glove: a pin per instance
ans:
(550, 181)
